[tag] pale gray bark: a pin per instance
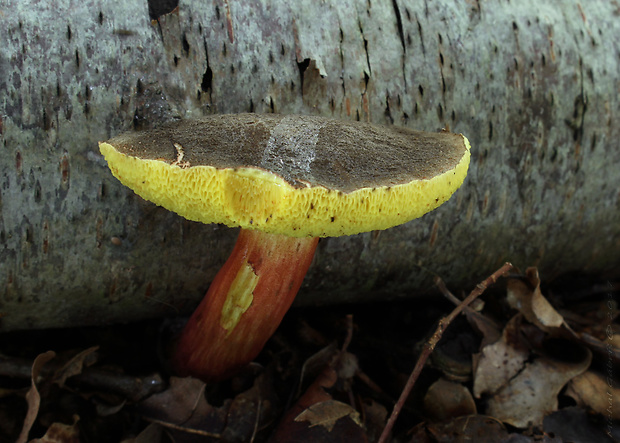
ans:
(533, 86)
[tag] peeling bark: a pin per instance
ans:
(534, 87)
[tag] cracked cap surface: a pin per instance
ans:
(288, 174)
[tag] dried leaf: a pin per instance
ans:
(176, 404)
(489, 330)
(61, 433)
(251, 410)
(75, 365)
(151, 434)
(596, 392)
(501, 361)
(32, 397)
(316, 362)
(531, 303)
(477, 428)
(105, 410)
(605, 347)
(375, 417)
(316, 406)
(447, 399)
(573, 424)
(469, 428)
(327, 413)
(316, 391)
(183, 410)
(533, 393)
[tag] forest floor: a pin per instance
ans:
(522, 363)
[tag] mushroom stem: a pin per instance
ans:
(244, 305)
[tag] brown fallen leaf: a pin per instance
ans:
(448, 399)
(32, 397)
(176, 404)
(529, 300)
(75, 365)
(327, 413)
(337, 422)
(468, 428)
(151, 434)
(486, 327)
(61, 433)
(184, 410)
(477, 428)
(315, 364)
(609, 348)
(251, 410)
(596, 392)
(499, 362)
(375, 416)
(532, 394)
(574, 424)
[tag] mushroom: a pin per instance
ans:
(286, 181)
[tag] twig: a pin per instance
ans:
(349, 337)
(257, 420)
(432, 342)
(473, 314)
(131, 388)
(449, 295)
(165, 424)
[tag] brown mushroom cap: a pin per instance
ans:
(292, 175)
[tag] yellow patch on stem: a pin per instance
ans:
(239, 297)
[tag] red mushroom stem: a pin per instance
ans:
(244, 305)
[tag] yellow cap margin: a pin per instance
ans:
(253, 198)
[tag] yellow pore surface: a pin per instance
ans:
(253, 198)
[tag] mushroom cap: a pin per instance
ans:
(289, 174)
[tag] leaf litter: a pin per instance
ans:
(523, 363)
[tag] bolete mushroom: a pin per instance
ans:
(286, 181)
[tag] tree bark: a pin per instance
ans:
(533, 87)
